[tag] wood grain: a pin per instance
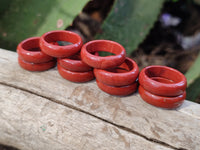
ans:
(176, 128)
(32, 122)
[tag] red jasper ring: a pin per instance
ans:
(48, 38)
(88, 50)
(74, 63)
(162, 101)
(163, 81)
(36, 66)
(29, 51)
(125, 74)
(75, 76)
(118, 90)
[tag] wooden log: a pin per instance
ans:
(168, 128)
(29, 121)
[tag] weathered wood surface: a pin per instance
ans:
(136, 122)
(32, 122)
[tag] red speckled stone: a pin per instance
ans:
(36, 67)
(29, 51)
(103, 62)
(161, 101)
(75, 76)
(163, 81)
(118, 90)
(53, 50)
(122, 75)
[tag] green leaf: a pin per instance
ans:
(197, 1)
(193, 79)
(194, 72)
(27, 18)
(4, 4)
(130, 21)
(193, 91)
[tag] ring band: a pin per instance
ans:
(163, 81)
(29, 51)
(74, 63)
(36, 66)
(48, 38)
(103, 62)
(161, 101)
(118, 90)
(125, 74)
(75, 76)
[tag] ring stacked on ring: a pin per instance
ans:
(30, 56)
(73, 69)
(114, 74)
(69, 65)
(162, 86)
(120, 80)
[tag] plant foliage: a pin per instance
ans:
(193, 79)
(129, 22)
(26, 18)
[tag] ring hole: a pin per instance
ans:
(162, 80)
(105, 47)
(63, 43)
(32, 45)
(163, 75)
(118, 70)
(62, 38)
(123, 68)
(75, 57)
(37, 49)
(104, 53)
